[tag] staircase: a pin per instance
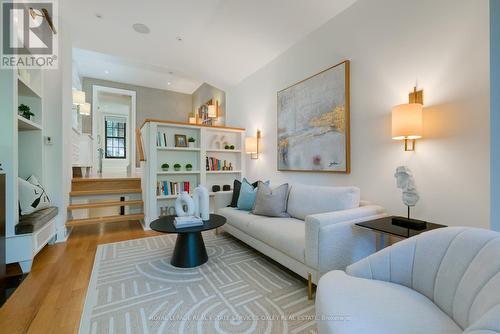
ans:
(96, 194)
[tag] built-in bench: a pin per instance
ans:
(36, 221)
(33, 232)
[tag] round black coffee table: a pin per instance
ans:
(189, 248)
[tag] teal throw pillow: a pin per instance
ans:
(247, 195)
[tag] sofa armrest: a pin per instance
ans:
(332, 240)
(223, 199)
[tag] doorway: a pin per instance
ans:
(113, 126)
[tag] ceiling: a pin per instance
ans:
(223, 41)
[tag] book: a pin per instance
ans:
(188, 221)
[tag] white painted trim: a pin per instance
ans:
(133, 111)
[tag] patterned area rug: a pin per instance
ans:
(134, 289)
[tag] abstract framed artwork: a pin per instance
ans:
(313, 123)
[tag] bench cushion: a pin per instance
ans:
(35, 221)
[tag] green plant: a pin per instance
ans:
(231, 147)
(191, 140)
(25, 111)
(165, 166)
(189, 166)
(177, 166)
(227, 147)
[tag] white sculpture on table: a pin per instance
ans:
(201, 202)
(197, 206)
(406, 182)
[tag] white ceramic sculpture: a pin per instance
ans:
(184, 199)
(201, 202)
(406, 182)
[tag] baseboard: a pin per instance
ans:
(62, 234)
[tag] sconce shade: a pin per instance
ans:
(212, 111)
(78, 97)
(84, 109)
(251, 145)
(407, 121)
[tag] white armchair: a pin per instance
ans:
(442, 281)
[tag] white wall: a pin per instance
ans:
(495, 113)
(391, 44)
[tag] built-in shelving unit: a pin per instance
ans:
(159, 142)
(26, 158)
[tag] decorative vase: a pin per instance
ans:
(189, 169)
(177, 169)
(191, 144)
(164, 169)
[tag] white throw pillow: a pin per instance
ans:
(32, 197)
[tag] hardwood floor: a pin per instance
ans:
(50, 299)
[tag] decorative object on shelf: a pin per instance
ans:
(214, 164)
(313, 123)
(180, 140)
(182, 202)
(202, 203)
(165, 167)
(226, 187)
(208, 113)
(164, 211)
(25, 111)
(231, 147)
(191, 142)
(407, 120)
(191, 119)
(177, 167)
(189, 167)
(217, 142)
(252, 145)
(215, 188)
(226, 147)
(406, 182)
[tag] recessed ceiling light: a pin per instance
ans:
(171, 73)
(179, 38)
(169, 83)
(106, 72)
(99, 16)
(141, 28)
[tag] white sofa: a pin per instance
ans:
(445, 281)
(318, 237)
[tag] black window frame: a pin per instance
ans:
(106, 137)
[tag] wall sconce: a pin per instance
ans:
(78, 97)
(84, 109)
(407, 120)
(252, 146)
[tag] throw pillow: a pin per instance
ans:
(271, 202)
(31, 197)
(248, 192)
(236, 192)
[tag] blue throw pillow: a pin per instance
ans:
(247, 195)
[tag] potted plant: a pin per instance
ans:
(227, 147)
(191, 141)
(165, 167)
(189, 167)
(231, 147)
(25, 111)
(177, 167)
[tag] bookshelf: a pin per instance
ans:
(159, 138)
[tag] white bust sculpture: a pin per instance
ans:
(405, 181)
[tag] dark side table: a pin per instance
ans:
(384, 226)
(189, 248)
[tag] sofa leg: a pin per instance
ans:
(309, 286)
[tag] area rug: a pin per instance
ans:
(134, 289)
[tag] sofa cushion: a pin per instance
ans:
(271, 202)
(247, 195)
(376, 307)
(236, 192)
(305, 200)
(284, 234)
(36, 220)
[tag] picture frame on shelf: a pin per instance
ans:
(181, 140)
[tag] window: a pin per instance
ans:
(116, 140)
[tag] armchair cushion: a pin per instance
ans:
(360, 305)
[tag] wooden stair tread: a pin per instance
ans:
(104, 179)
(104, 192)
(106, 219)
(105, 204)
